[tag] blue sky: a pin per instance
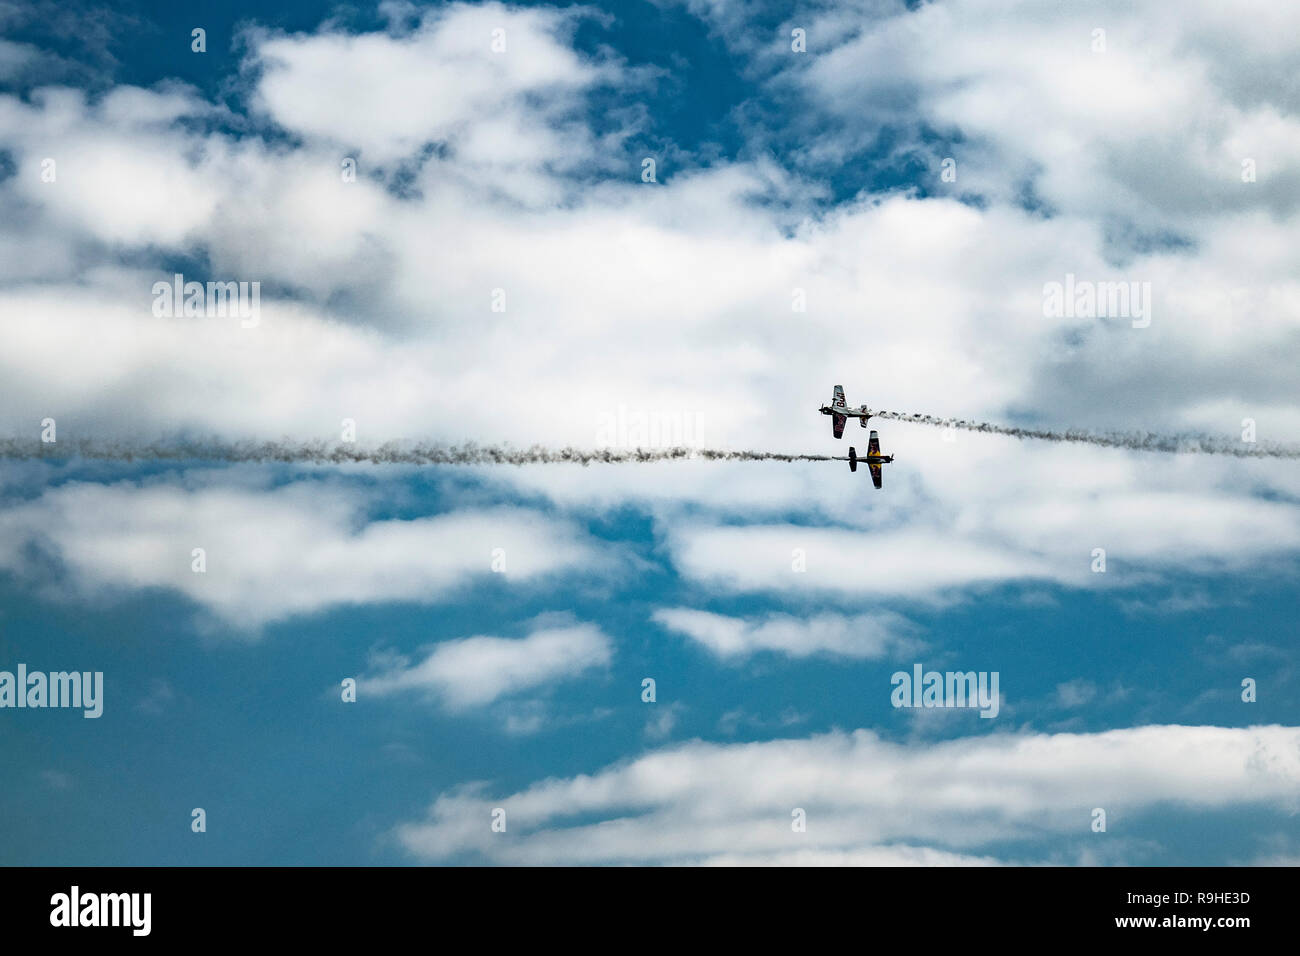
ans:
(779, 175)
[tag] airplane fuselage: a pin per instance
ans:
(860, 412)
(863, 459)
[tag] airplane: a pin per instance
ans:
(839, 412)
(874, 459)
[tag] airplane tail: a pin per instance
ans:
(853, 458)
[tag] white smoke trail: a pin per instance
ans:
(1185, 444)
(389, 454)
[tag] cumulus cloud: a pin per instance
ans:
(475, 671)
(842, 561)
(273, 553)
(865, 636)
(492, 81)
(866, 800)
(1148, 121)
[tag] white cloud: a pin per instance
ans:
(896, 855)
(864, 636)
(865, 799)
(1153, 127)
(272, 553)
(843, 561)
(443, 82)
(118, 172)
(475, 671)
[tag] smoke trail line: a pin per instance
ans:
(1184, 444)
(392, 453)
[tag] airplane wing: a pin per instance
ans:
(876, 471)
(873, 447)
(837, 425)
(838, 399)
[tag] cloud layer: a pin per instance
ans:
(272, 553)
(474, 671)
(865, 800)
